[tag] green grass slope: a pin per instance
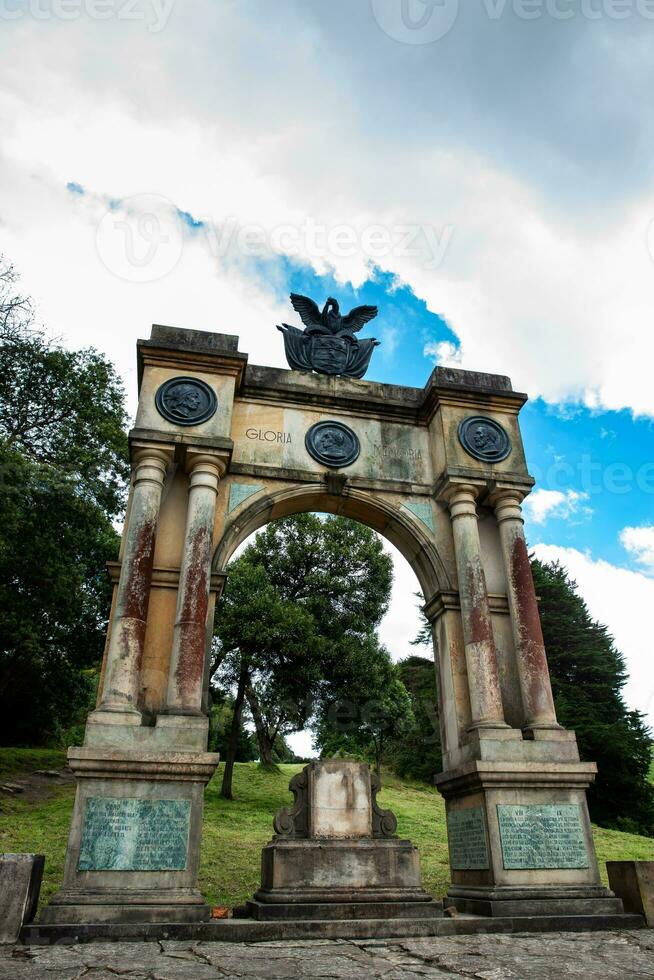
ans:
(235, 832)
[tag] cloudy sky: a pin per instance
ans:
(482, 171)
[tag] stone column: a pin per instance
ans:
(533, 672)
(125, 650)
(186, 671)
(480, 652)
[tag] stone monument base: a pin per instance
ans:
(511, 902)
(519, 832)
(298, 876)
(335, 855)
(134, 844)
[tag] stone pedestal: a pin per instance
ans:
(336, 855)
(134, 844)
(20, 883)
(633, 882)
(519, 833)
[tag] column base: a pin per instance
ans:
(169, 905)
(134, 844)
(520, 837)
(170, 733)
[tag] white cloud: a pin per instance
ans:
(542, 505)
(275, 119)
(444, 353)
(639, 542)
(622, 600)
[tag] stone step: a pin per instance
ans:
(250, 931)
(552, 906)
(271, 912)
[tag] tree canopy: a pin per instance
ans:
(63, 468)
(296, 629)
(588, 674)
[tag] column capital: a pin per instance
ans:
(449, 488)
(499, 492)
(507, 502)
(209, 460)
(150, 465)
(152, 450)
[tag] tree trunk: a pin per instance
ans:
(226, 788)
(264, 740)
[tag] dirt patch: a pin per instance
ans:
(35, 787)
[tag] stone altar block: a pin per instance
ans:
(335, 853)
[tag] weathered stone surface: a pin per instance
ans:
(20, 883)
(577, 956)
(633, 882)
(339, 799)
(366, 870)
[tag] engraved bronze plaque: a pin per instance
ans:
(466, 835)
(542, 836)
(134, 835)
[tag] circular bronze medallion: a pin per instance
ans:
(186, 401)
(485, 439)
(332, 444)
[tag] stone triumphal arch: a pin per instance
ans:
(219, 448)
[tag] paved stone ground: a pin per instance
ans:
(555, 956)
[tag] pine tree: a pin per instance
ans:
(588, 674)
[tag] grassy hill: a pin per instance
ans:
(235, 832)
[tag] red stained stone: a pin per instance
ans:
(193, 615)
(534, 659)
(137, 591)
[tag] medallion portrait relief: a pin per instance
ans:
(484, 439)
(332, 444)
(186, 401)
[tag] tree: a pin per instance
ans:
(63, 460)
(588, 674)
(222, 713)
(418, 752)
(61, 409)
(300, 603)
(368, 711)
(261, 636)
